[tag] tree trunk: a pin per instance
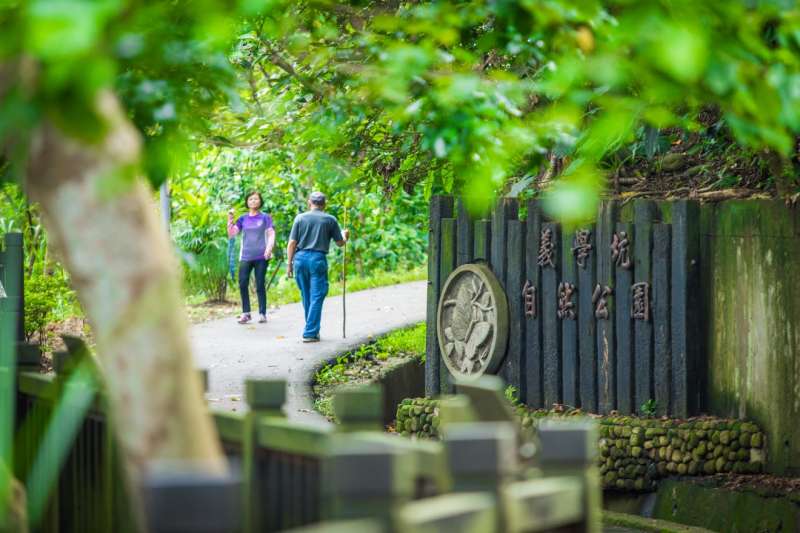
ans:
(103, 220)
(14, 519)
(781, 170)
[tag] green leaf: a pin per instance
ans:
(64, 29)
(680, 50)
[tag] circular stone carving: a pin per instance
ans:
(472, 321)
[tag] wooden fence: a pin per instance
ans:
(290, 474)
(603, 316)
(294, 474)
(11, 293)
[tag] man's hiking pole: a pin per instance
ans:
(344, 280)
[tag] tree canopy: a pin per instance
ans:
(445, 95)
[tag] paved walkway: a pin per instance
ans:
(232, 352)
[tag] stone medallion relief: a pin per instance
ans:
(472, 321)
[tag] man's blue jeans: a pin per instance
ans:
(311, 273)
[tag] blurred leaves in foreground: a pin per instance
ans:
(446, 96)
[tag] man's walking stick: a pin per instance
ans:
(344, 280)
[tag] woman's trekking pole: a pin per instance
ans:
(344, 280)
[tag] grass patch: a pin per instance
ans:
(365, 364)
(640, 523)
(285, 291)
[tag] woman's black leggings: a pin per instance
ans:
(260, 266)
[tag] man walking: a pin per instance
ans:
(309, 242)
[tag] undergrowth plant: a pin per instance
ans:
(404, 343)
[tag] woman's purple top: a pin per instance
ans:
(254, 235)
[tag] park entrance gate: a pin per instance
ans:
(603, 316)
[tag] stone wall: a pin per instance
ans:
(635, 452)
(750, 264)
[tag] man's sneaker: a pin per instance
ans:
(245, 318)
(310, 339)
(262, 319)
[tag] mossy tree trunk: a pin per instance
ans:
(14, 518)
(102, 218)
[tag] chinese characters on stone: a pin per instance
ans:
(529, 299)
(547, 252)
(620, 250)
(640, 301)
(566, 307)
(599, 299)
(581, 247)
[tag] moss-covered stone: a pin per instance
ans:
(742, 454)
(724, 510)
(701, 448)
(633, 453)
(751, 261)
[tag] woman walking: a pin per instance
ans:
(258, 239)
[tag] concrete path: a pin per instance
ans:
(232, 352)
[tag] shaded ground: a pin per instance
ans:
(232, 352)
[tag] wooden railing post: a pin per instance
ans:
(12, 276)
(569, 449)
(363, 479)
(549, 504)
(190, 501)
(440, 207)
(264, 398)
(481, 456)
(359, 409)
(11, 328)
(450, 513)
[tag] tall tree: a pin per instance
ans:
(94, 96)
(466, 95)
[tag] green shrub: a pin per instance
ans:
(649, 408)
(207, 272)
(354, 365)
(512, 395)
(48, 298)
(406, 341)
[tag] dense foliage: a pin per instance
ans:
(474, 95)
(446, 94)
(48, 296)
(386, 234)
(368, 99)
